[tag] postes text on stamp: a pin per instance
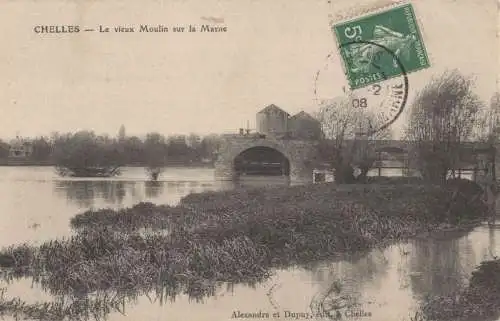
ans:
(361, 42)
(375, 107)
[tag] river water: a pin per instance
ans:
(387, 284)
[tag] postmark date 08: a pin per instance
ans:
(367, 79)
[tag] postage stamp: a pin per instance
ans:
(377, 105)
(371, 45)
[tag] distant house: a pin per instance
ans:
(272, 120)
(20, 148)
(304, 126)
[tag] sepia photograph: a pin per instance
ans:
(216, 160)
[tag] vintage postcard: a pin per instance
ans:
(250, 160)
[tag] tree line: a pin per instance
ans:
(87, 149)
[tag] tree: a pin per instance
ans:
(122, 133)
(178, 150)
(133, 150)
(489, 132)
(42, 149)
(85, 154)
(345, 145)
(155, 149)
(489, 123)
(209, 146)
(194, 143)
(4, 149)
(444, 114)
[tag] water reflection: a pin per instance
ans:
(492, 250)
(391, 283)
(86, 193)
(341, 284)
(440, 266)
(119, 193)
(154, 189)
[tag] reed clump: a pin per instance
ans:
(96, 307)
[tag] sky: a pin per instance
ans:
(178, 83)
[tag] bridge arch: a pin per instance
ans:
(297, 156)
(261, 160)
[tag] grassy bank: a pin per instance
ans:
(234, 236)
(480, 300)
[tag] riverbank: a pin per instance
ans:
(480, 300)
(236, 236)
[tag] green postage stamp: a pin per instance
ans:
(380, 46)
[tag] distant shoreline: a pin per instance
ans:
(26, 162)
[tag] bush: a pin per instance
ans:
(464, 200)
(344, 174)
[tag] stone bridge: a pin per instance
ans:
(299, 157)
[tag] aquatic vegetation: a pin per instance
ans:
(216, 238)
(142, 215)
(480, 300)
(96, 306)
(230, 207)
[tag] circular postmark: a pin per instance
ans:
(377, 100)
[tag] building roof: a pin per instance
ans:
(304, 115)
(271, 108)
